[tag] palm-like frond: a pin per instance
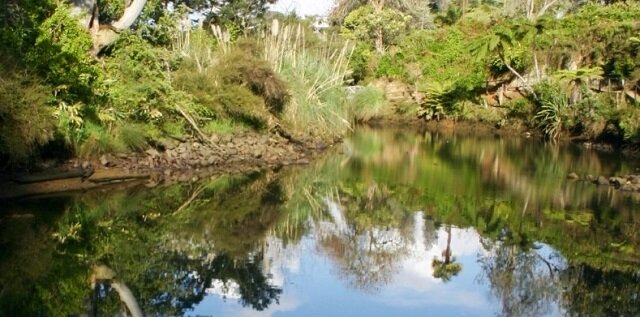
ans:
(580, 74)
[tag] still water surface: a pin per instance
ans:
(390, 223)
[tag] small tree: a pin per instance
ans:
(377, 26)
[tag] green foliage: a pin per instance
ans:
(26, 117)
(435, 100)
(445, 271)
(552, 114)
(232, 85)
(449, 17)
(222, 127)
(246, 15)
(360, 62)
(629, 122)
(95, 141)
(443, 56)
(61, 55)
(137, 83)
(521, 108)
(240, 103)
(132, 136)
(580, 75)
(391, 66)
(447, 99)
(598, 34)
(517, 56)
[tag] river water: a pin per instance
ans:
(389, 223)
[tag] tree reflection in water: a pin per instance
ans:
(172, 245)
(525, 283)
(377, 235)
(446, 268)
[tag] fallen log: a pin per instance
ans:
(52, 175)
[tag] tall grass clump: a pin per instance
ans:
(315, 79)
(367, 103)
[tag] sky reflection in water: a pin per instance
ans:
(313, 287)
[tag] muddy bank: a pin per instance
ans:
(169, 162)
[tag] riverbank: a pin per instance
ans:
(170, 162)
(192, 159)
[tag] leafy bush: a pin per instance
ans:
(239, 68)
(136, 82)
(449, 17)
(391, 66)
(629, 123)
(232, 85)
(95, 141)
(365, 24)
(520, 108)
(61, 55)
(435, 102)
(359, 62)
(599, 34)
(132, 136)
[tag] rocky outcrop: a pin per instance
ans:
(218, 151)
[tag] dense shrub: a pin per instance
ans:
(239, 68)
(26, 117)
(61, 56)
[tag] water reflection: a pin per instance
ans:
(392, 223)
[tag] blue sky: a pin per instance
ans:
(304, 7)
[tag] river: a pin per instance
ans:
(388, 223)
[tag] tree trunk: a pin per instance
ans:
(447, 251)
(130, 15)
(524, 81)
(127, 297)
(379, 41)
(378, 6)
(87, 12)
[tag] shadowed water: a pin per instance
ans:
(390, 223)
